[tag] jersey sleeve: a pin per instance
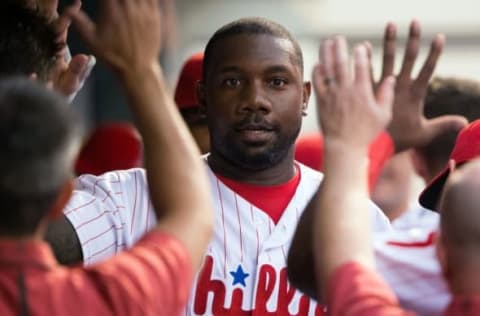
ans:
(357, 291)
(152, 278)
(407, 261)
(110, 212)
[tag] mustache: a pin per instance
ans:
(254, 122)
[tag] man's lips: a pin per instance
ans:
(254, 127)
(255, 133)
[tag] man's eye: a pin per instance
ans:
(278, 82)
(232, 82)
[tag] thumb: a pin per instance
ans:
(445, 123)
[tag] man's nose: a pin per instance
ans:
(256, 98)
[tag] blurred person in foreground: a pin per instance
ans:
(152, 278)
(396, 255)
(345, 269)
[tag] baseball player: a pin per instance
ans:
(254, 96)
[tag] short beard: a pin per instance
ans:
(261, 161)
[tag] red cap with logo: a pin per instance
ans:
(191, 73)
(467, 147)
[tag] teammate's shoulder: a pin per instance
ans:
(116, 176)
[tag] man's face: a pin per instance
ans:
(254, 97)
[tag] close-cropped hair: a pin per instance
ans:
(449, 96)
(39, 136)
(27, 41)
(249, 26)
(453, 96)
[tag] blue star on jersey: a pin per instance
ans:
(239, 276)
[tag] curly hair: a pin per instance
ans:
(27, 41)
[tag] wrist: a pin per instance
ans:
(138, 74)
(344, 148)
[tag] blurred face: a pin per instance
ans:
(254, 97)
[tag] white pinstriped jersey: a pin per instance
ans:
(244, 270)
(110, 212)
(407, 261)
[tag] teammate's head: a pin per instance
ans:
(187, 101)
(253, 93)
(27, 42)
(38, 134)
(459, 244)
(467, 148)
(446, 96)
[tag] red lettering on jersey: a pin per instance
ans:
(416, 244)
(265, 286)
(285, 294)
(205, 284)
(267, 279)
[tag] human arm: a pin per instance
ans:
(69, 73)
(309, 151)
(64, 241)
(350, 116)
(127, 37)
(408, 128)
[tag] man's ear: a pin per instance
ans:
(62, 199)
(200, 90)
(307, 90)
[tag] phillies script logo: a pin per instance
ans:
(266, 283)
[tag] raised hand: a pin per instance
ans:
(70, 73)
(349, 109)
(409, 127)
(137, 42)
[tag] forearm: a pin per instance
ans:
(341, 220)
(301, 265)
(171, 157)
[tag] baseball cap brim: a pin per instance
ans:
(430, 196)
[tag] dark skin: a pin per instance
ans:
(254, 97)
(63, 239)
(256, 82)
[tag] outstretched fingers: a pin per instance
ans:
(411, 52)
(340, 62)
(428, 67)
(318, 79)
(362, 67)
(389, 49)
(327, 60)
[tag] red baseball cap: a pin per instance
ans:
(111, 146)
(467, 147)
(185, 92)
